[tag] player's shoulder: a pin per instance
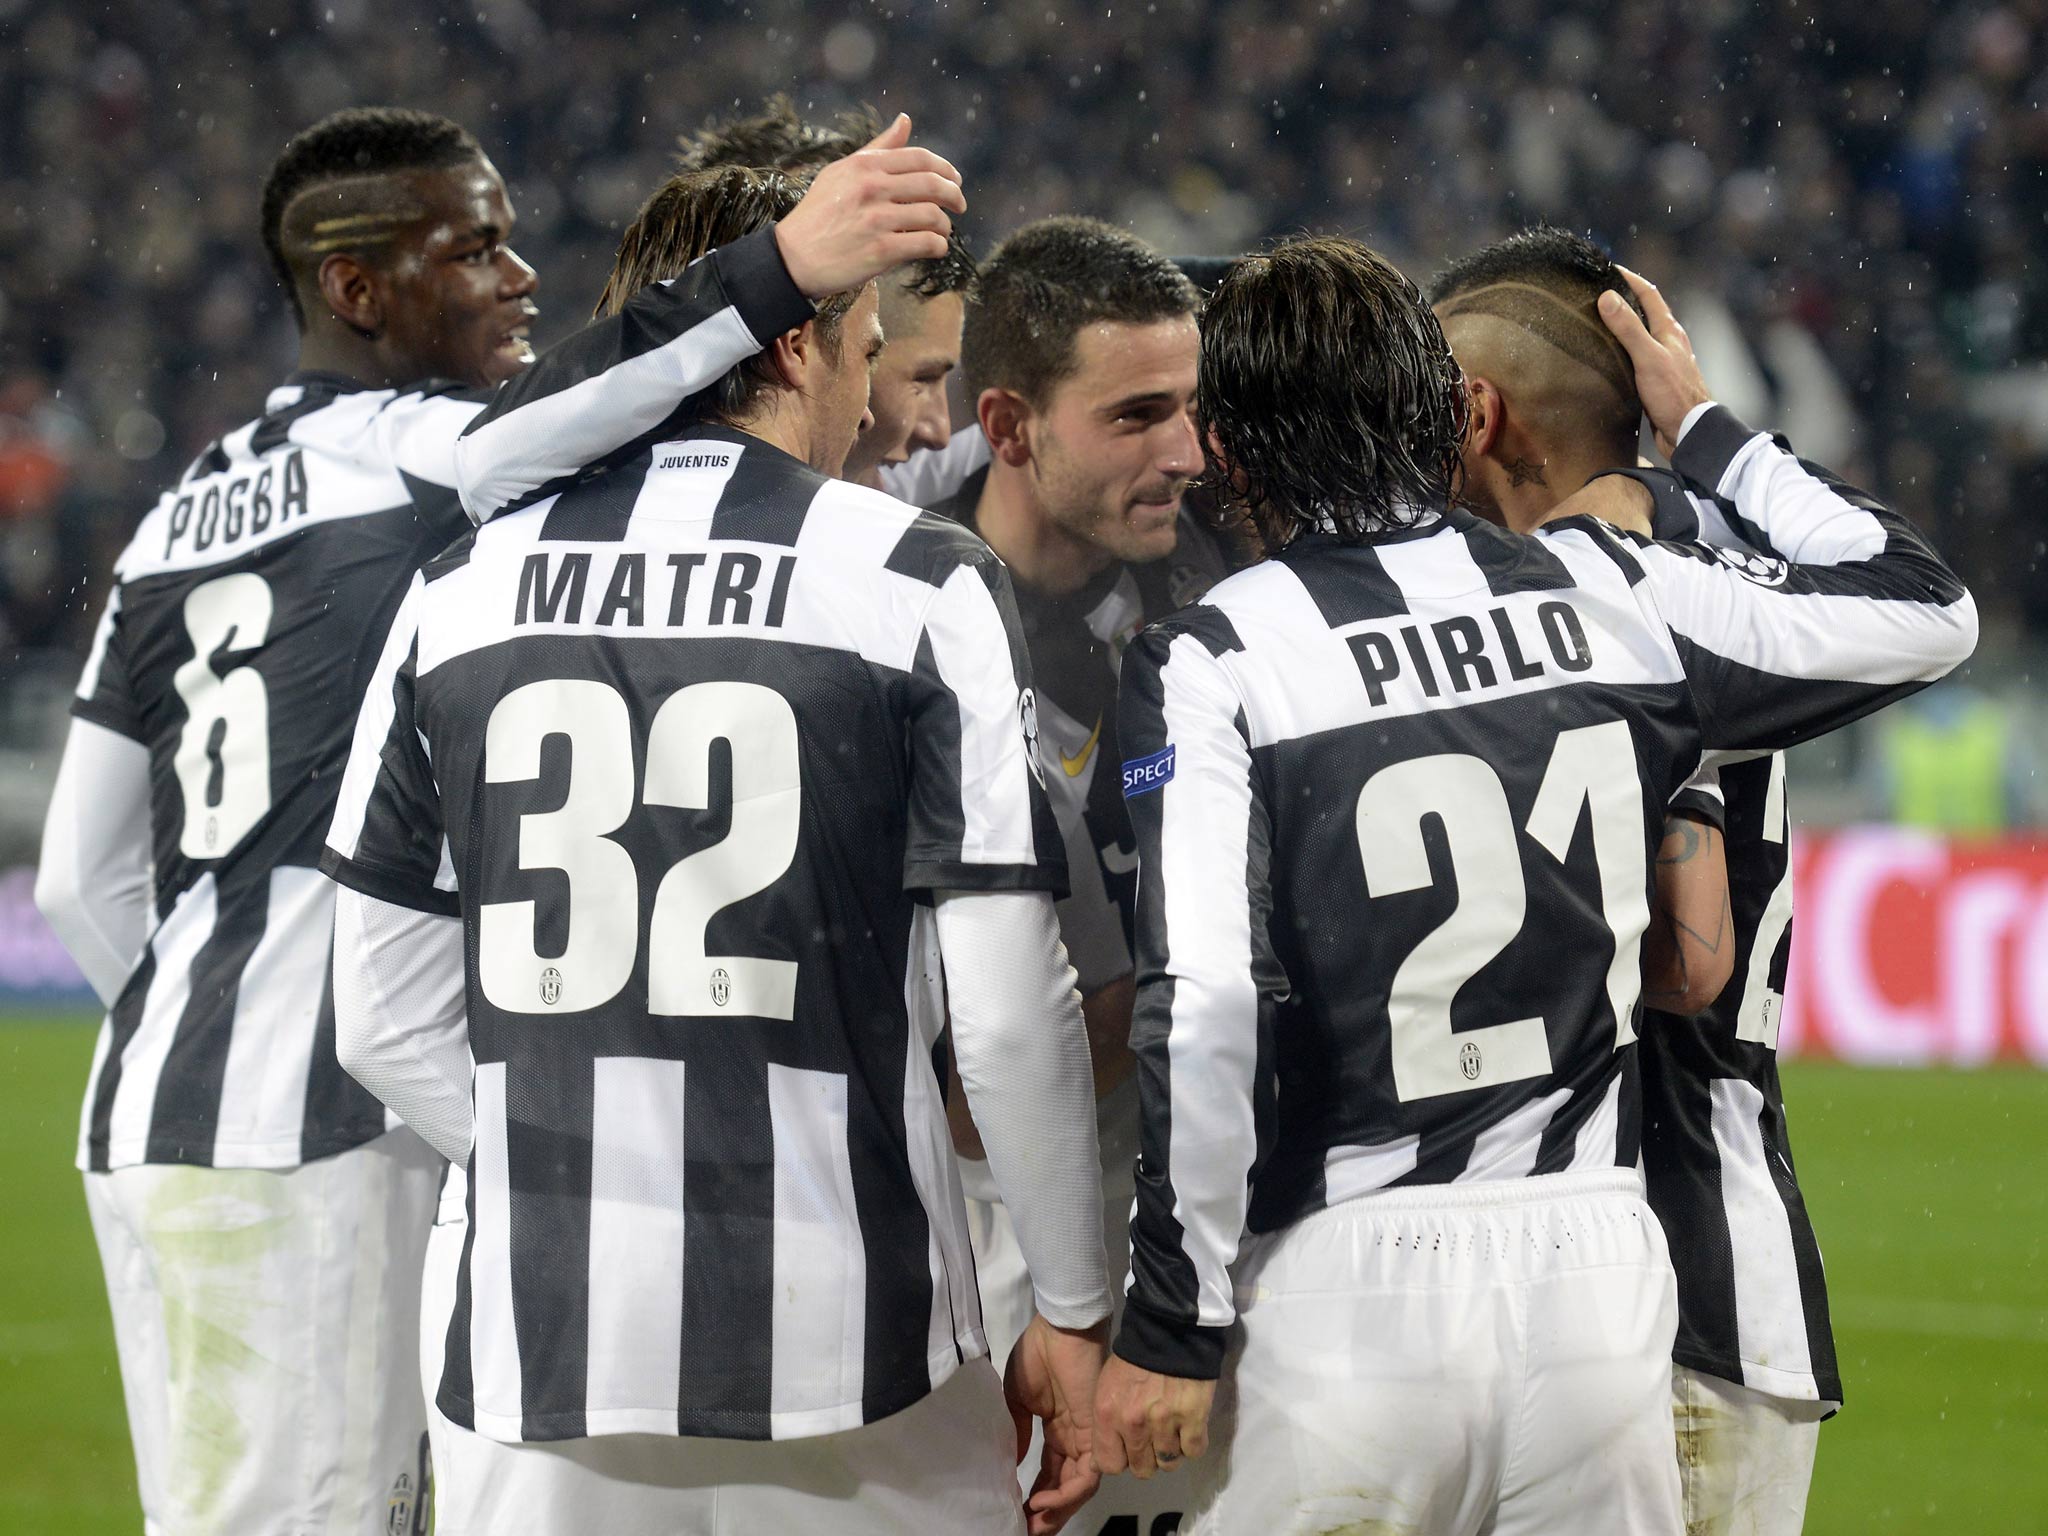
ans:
(929, 547)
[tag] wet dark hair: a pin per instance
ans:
(777, 138)
(1548, 281)
(953, 272)
(691, 216)
(1328, 395)
(1043, 284)
(355, 144)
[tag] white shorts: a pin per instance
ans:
(1156, 1504)
(1452, 1359)
(1745, 1458)
(939, 1467)
(267, 1325)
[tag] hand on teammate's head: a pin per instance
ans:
(884, 205)
(1668, 378)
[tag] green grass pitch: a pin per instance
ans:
(1930, 1190)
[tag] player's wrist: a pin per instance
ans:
(1169, 1346)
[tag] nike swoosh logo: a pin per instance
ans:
(1074, 765)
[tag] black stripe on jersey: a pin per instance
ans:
(891, 1221)
(1813, 1289)
(123, 1020)
(766, 498)
(1347, 581)
(455, 1395)
(186, 1112)
(943, 823)
(547, 1169)
(212, 460)
(451, 559)
(932, 548)
(728, 1364)
(1509, 561)
(1745, 707)
(439, 506)
(1607, 539)
(597, 508)
(275, 429)
(340, 1112)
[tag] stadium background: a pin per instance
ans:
(1848, 200)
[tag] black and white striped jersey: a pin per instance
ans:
(233, 647)
(1396, 808)
(245, 618)
(1717, 1153)
(1077, 642)
(688, 747)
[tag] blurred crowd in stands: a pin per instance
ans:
(1848, 198)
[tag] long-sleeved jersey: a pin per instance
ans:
(245, 618)
(1397, 805)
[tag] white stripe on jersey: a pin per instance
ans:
(1508, 1148)
(956, 1299)
(820, 1261)
(1762, 1008)
(175, 946)
(1349, 1172)
(359, 778)
(277, 1014)
(637, 1156)
(998, 817)
(1214, 1136)
(89, 679)
(1772, 1336)
(1598, 1144)
(495, 1382)
(510, 455)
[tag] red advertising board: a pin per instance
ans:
(1911, 948)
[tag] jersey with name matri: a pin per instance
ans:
(690, 747)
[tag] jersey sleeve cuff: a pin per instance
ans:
(117, 721)
(388, 885)
(760, 287)
(1710, 448)
(1169, 1348)
(1701, 805)
(942, 874)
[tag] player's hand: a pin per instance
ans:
(1147, 1422)
(1051, 1378)
(881, 206)
(1668, 376)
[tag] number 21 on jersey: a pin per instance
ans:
(1592, 766)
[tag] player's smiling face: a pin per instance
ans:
(458, 301)
(1115, 445)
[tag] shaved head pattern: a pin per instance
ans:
(1546, 283)
(341, 186)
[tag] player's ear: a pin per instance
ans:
(1004, 416)
(349, 289)
(792, 353)
(1487, 418)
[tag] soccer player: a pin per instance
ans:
(1754, 1372)
(721, 769)
(259, 1215)
(1080, 352)
(1395, 882)
(921, 310)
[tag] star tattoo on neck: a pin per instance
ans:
(1522, 472)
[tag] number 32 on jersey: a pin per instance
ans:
(603, 938)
